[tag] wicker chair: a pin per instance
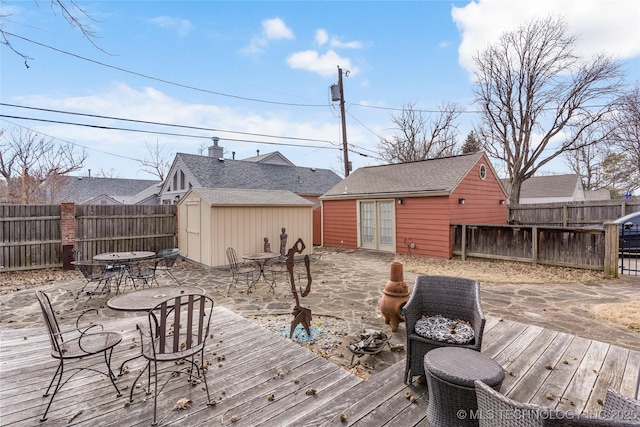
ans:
(451, 297)
(497, 410)
(239, 269)
(177, 331)
(79, 343)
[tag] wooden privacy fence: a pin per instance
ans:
(34, 237)
(576, 247)
(572, 214)
(30, 235)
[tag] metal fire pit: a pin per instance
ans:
(370, 342)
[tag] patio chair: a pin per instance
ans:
(497, 410)
(95, 273)
(239, 269)
(142, 272)
(75, 345)
(444, 300)
(166, 259)
(178, 330)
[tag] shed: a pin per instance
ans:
(212, 219)
(409, 207)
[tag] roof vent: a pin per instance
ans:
(313, 169)
(221, 159)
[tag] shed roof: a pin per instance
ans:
(436, 176)
(214, 173)
(244, 197)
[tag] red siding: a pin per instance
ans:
(340, 224)
(482, 199)
(425, 220)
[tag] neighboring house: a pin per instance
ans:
(213, 219)
(409, 207)
(556, 188)
(550, 189)
(271, 171)
(108, 191)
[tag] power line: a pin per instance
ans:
(185, 86)
(166, 124)
(161, 133)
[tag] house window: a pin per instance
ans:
(175, 180)
(181, 180)
(483, 172)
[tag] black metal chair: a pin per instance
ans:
(166, 258)
(453, 298)
(76, 345)
(178, 330)
(239, 269)
(142, 273)
(100, 274)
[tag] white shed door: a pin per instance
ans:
(193, 231)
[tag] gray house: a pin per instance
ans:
(89, 190)
(270, 171)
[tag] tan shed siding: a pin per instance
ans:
(482, 200)
(426, 221)
(340, 224)
(244, 229)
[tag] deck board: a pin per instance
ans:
(539, 363)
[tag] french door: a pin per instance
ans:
(377, 225)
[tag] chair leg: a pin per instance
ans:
(110, 374)
(155, 392)
(55, 390)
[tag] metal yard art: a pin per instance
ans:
(301, 315)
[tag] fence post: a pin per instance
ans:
(534, 245)
(463, 242)
(611, 248)
(68, 233)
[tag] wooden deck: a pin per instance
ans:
(543, 367)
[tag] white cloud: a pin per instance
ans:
(183, 26)
(609, 26)
(120, 150)
(335, 43)
(321, 36)
(272, 29)
(325, 64)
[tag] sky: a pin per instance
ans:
(257, 74)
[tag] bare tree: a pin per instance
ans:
(420, 137)
(586, 160)
(33, 166)
(158, 162)
(537, 98)
(625, 128)
(71, 12)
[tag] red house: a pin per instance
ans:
(409, 206)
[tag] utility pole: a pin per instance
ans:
(344, 124)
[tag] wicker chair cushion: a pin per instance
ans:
(443, 329)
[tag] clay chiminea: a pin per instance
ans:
(394, 295)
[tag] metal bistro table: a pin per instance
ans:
(261, 258)
(119, 259)
(147, 299)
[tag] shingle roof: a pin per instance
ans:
(437, 176)
(81, 189)
(241, 197)
(548, 186)
(213, 173)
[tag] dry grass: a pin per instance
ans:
(626, 314)
(496, 271)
